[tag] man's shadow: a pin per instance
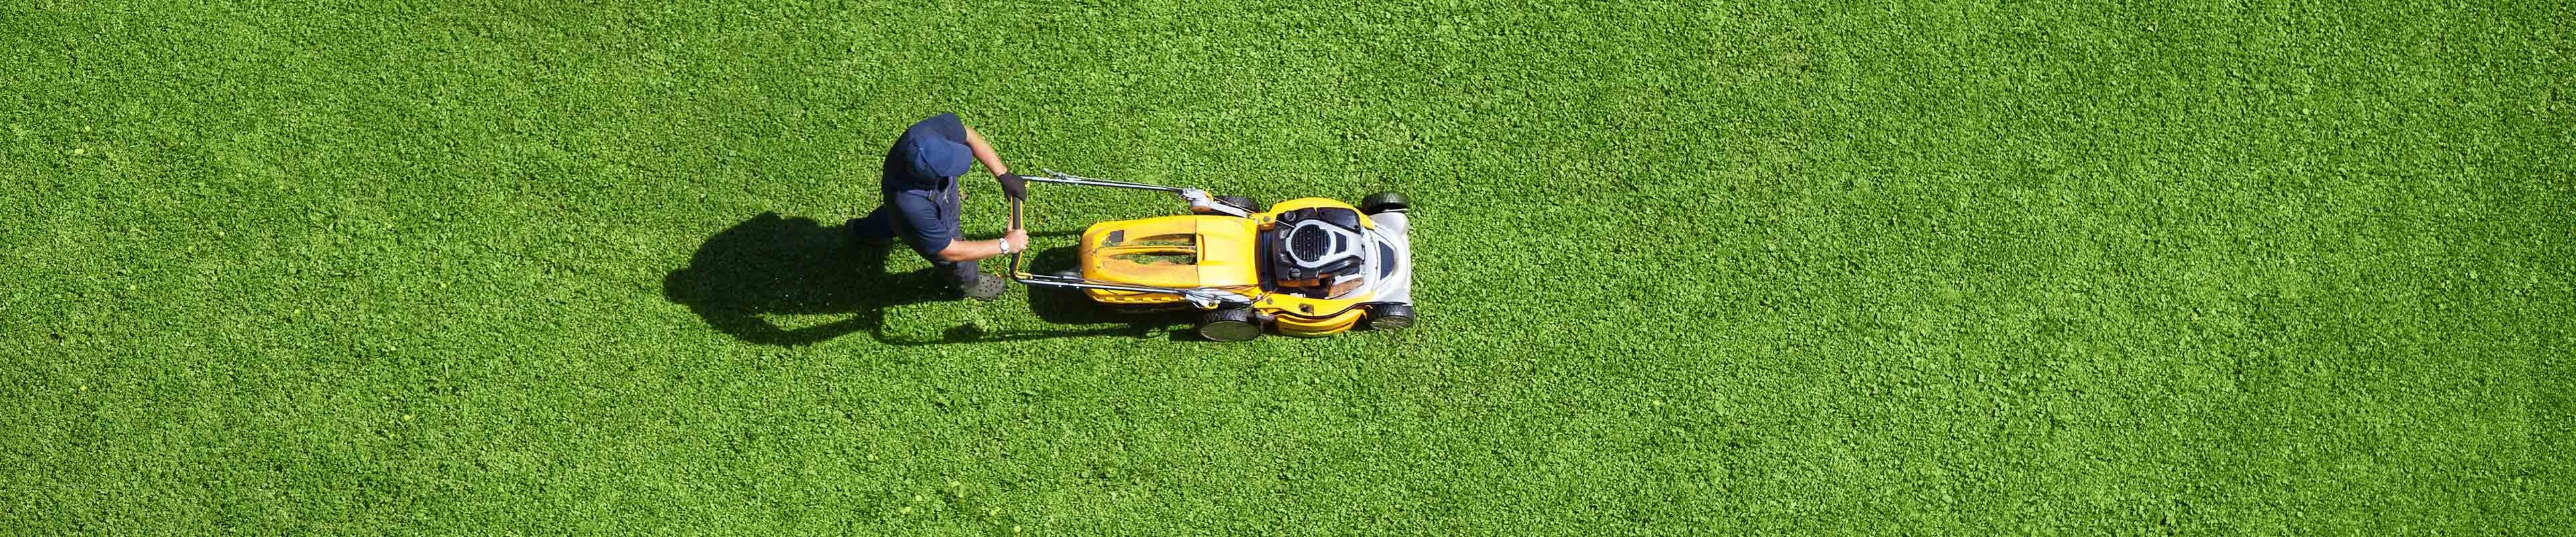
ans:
(772, 265)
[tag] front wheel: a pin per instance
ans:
(1385, 202)
(1390, 317)
(1229, 324)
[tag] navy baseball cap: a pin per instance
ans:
(942, 158)
(937, 148)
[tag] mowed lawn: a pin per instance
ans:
(387, 267)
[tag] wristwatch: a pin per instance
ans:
(1006, 245)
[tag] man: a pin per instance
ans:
(921, 202)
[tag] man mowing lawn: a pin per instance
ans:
(921, 202)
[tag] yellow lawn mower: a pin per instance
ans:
(1307, 266)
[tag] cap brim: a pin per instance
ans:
(945, 158)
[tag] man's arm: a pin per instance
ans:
(963, 251)
(984, 153)
(1012, 184)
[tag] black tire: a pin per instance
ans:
(1390, 317)
(1385, 202)
(1241, 202)
(1229, 324)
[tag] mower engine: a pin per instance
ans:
(1318, 251)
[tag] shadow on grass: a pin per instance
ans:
(1065, 307)
(772, 265)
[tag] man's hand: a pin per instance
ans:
(1013, 185)
(1019, 238)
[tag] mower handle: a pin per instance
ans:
(1204, 298)
(1199, 199)
(1062, 178)
(1015, 224)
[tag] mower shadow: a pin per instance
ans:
(772, 265)
(1064, 307)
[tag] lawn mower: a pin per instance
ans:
(1307, 266)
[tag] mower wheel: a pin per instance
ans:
(1241, 202)
(1390, 316)
(1384, 202)
(1229, 324)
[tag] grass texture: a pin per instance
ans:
(2090, 268)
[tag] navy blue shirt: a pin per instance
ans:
(920, 181)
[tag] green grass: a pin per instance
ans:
(1971, 268)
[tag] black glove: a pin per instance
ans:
(1014, 186)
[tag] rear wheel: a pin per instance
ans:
(1385, 202)
(1229, 324)
(1390, 317)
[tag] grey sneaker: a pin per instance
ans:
(984, 288)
